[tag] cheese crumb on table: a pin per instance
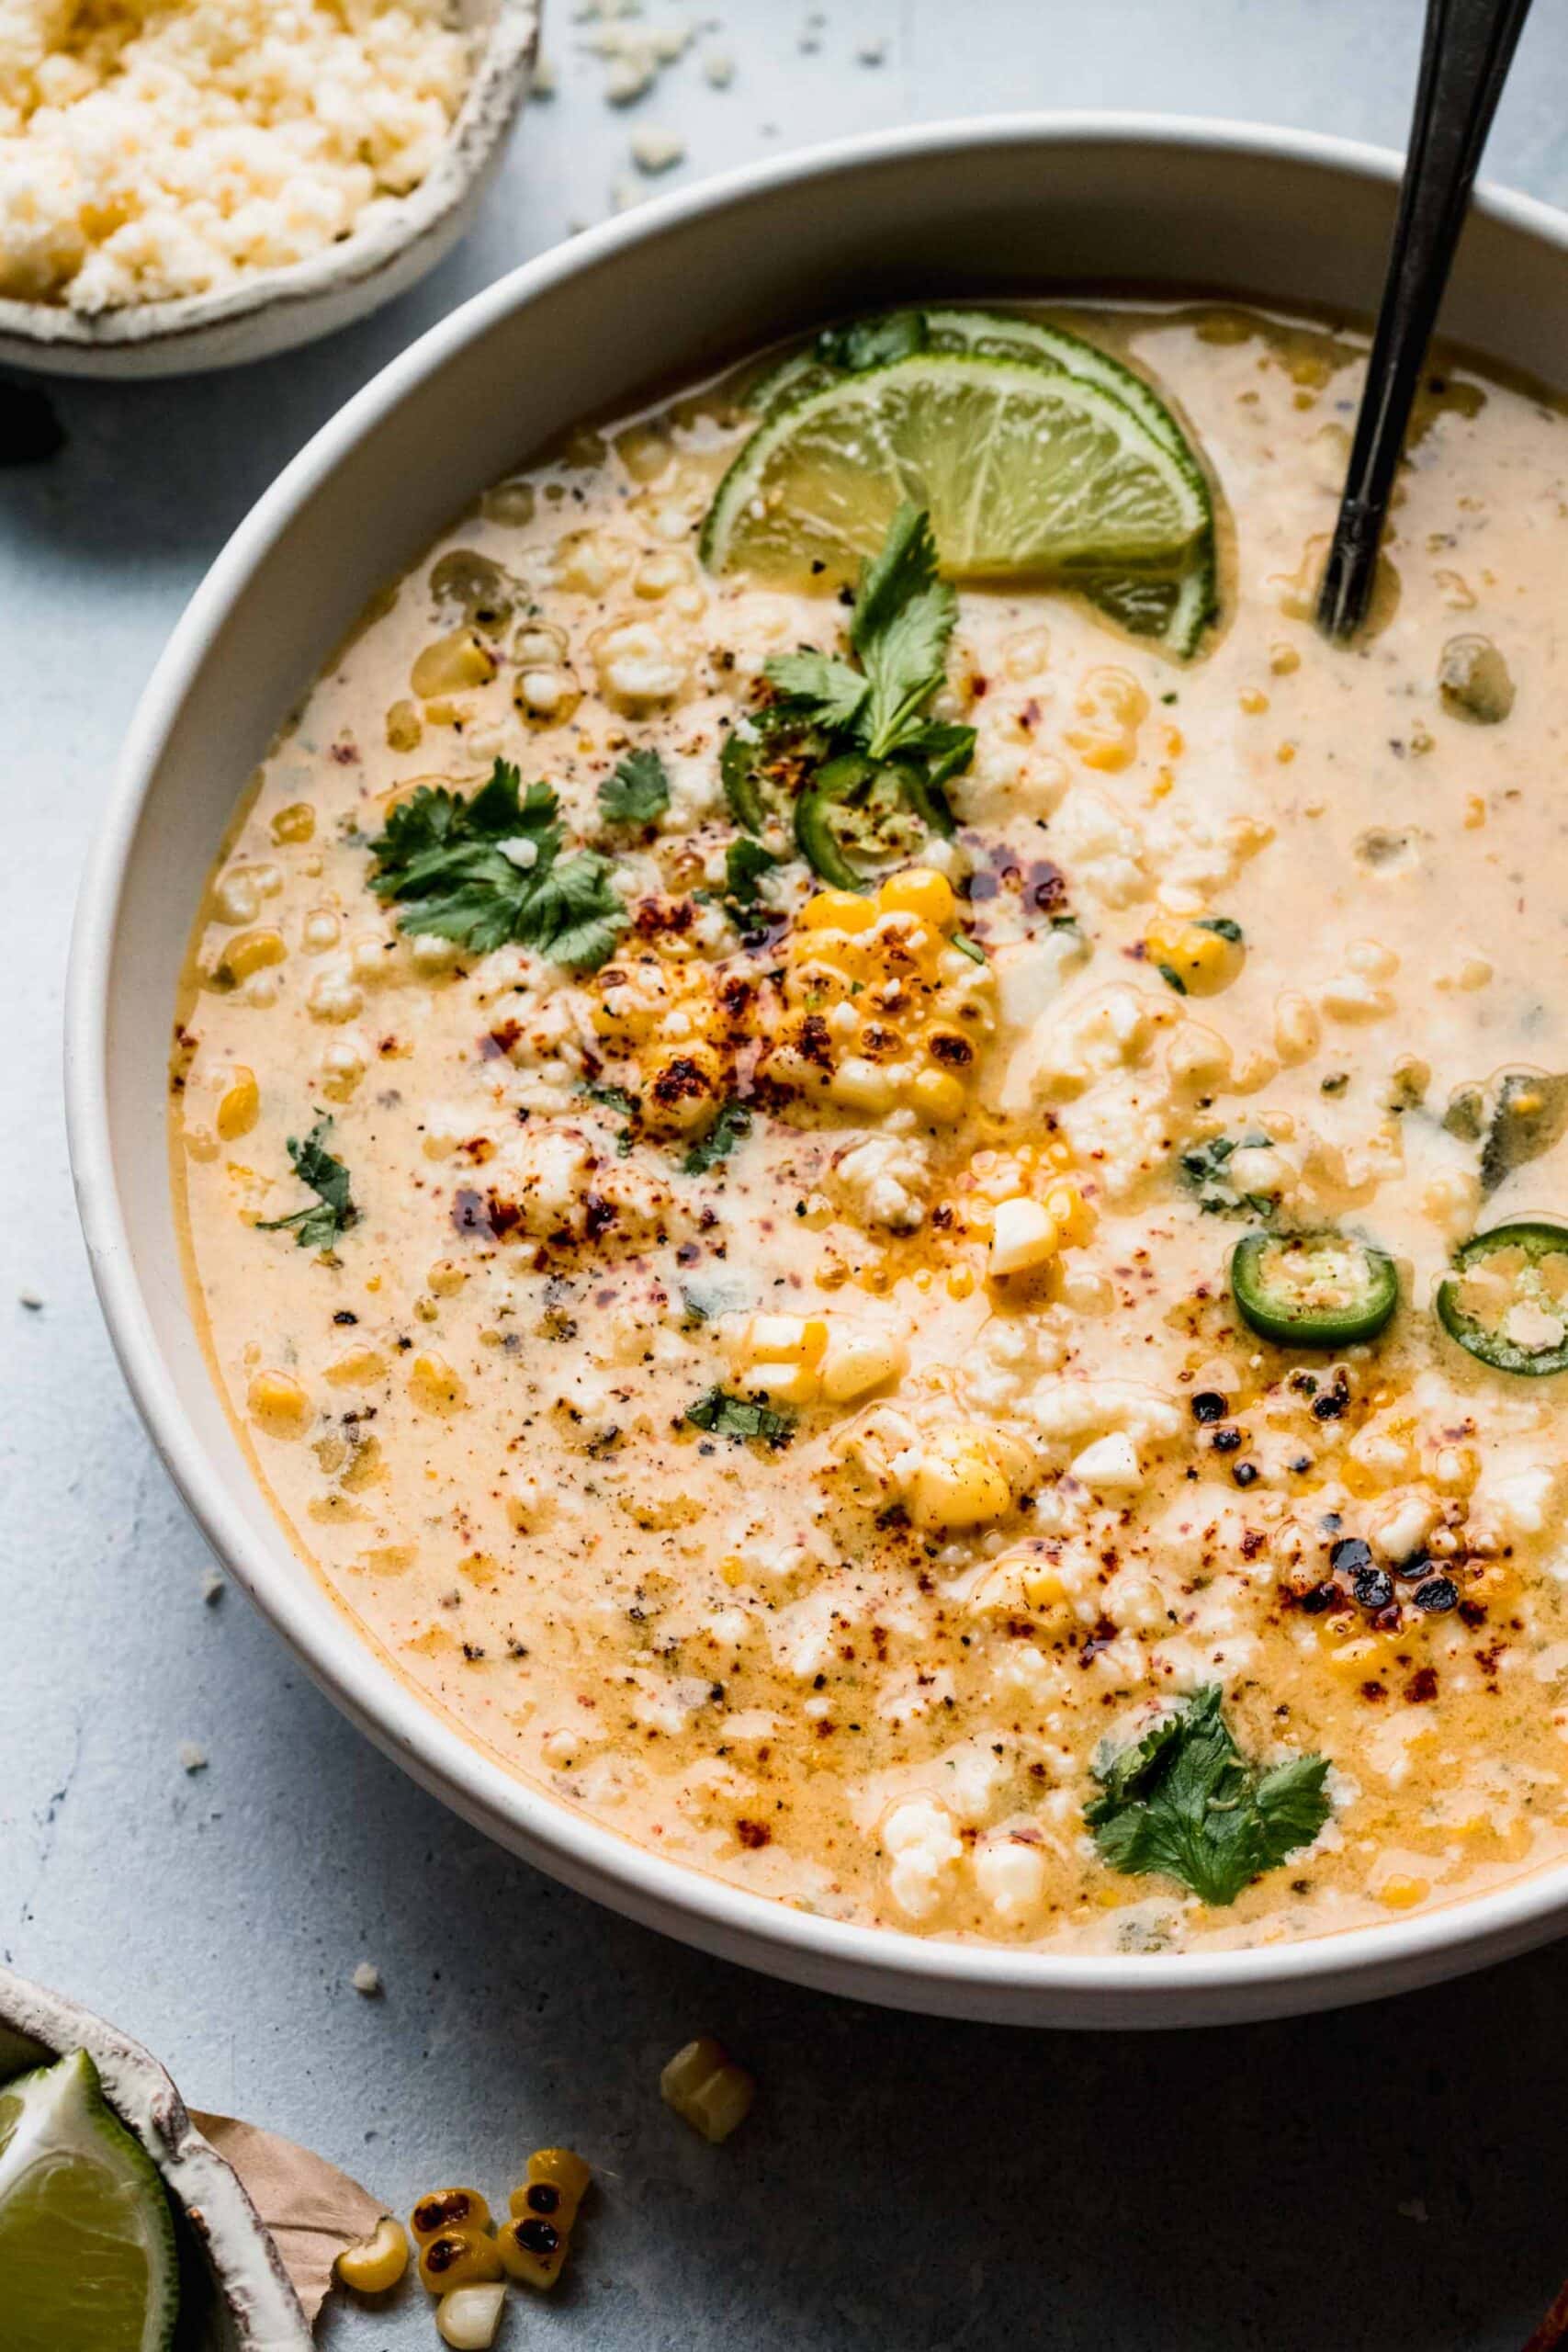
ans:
(151, 149)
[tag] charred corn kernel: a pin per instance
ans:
(544, 2208)
(238, 1109)
(859, 1360)
(835, 911)
(939, 1096)
(357, 1368)
(251, 951)
(959, 1482)
(683, 1084)
(1402, 1893)
(404, 727)
(376, 2263)
(1202, 959)
(278, 1404)
(1024, 1235)
(434, 1384)
(452, 665)
(468, 2317)
(706, 2088)
(919, 891)
(448, 2209)
(295, 823)
(458, 2259)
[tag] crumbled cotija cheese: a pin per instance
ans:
(156, 148)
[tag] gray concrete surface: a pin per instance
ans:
(1388, 2178)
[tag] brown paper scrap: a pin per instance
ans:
(312, 2210)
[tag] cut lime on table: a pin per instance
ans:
(87, 2259)
(1026, 470)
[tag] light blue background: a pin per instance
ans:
(902, 2185)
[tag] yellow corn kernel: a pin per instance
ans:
(862, 1085)
(376, 2263)
(458, 2259)
(467, 2318)
(448, 2209)
(1043, 1586)
(835, 911)
(919, 891)
(248, 952)
(240, 1103)
(683, 1084)
(859, 1360)
(1024, 1235)
(785, 1338)
(938, 1096)
(357, 1368)
(534, 2243)
(1254, 701)
(706, 2088)
(452, 664)
(295, 823)
(447, 1277)
(434, 1385)
(959, 1482)
(404, 727)
(1113, 707)
(1400, 1892)
(1074, 1218)
(961, 1282)
(278, 1404)
(1202, 960)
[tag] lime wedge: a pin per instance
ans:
(1170, 599)
(1024, 470)
(87, 2256)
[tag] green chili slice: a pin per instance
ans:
(856, 807)
(1506, 1300)
(1313, 1290)
(742, 787)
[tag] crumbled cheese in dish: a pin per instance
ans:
(151, 149)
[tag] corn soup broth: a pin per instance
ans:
(1016, 1471)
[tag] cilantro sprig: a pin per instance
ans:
(1183, 1803)
(489, 869)
(852, 739)
(319, 1225)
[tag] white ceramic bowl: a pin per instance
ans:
(276, 309)
(1011, 205)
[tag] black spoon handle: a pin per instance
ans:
(1466, 51)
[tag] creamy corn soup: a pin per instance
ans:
(771, 1354)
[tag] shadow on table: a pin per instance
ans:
(1389, 2176)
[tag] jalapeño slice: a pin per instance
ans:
(1507, 1299)
(857, 806)
(1313, 1290)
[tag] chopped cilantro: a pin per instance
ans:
(721, 1414)
(1204, 1170)
(636, 792)
(1172, 977)
(488, 869)
(734, 1121)
(1223, 928)
(615, 1097)
(745, 863)
(874, 343)
(1183, 1803)
(320, 1226)
(968, 946)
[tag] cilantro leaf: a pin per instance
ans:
(488, 869)
(734, 1121)
(320, 1225)
(722, 1413)
(745, 863)
(904, 617)
(819, 690)
(636, 792)
(1183, 1803)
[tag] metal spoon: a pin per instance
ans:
(1466, 51)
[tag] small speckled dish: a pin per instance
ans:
(276, 309)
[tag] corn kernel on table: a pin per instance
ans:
(194, 1843)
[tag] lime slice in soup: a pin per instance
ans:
(87, 2260)
(1026, 472)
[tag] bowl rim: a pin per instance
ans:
(878, 1963)
(498, 85)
